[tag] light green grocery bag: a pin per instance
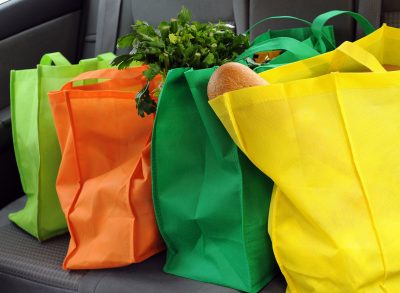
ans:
(36, 146)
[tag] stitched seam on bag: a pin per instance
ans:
(16, 144)
(228, 107)
(14, 126)
(283, 268)
(154, 179)
(244, 235)
(39, 148)
(362, 185)
(238, 135)
(273, 208)
(133, 251)
(237, 161)
(151, 252)
(70, 254)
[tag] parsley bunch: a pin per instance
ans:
(177, 43)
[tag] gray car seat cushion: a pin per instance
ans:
(12, 207)
(27, 265)
(13, 284)
(148, 277)
(24, 257)
(24, 260)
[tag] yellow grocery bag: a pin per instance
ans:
(327, 131)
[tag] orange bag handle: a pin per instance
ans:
(117, 78)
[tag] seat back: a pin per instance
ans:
(379, 11)
(308, 10)
(153, 12)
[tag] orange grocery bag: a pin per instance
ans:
(104, 180)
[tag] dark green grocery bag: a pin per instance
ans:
(315, 35)
(35, 141)
(211, 202)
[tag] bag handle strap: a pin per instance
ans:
(131, 74)
(319, 22)
(55, 58)
(275, 17)
(361, 56)
(297, 48)
(109, 56)
(102, 57)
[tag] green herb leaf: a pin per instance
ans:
(173, 38)
(184, 16)
(152, 71)
(125, 41)
(209, 60)
(144, 103)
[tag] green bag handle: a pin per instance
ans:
(269, 18)
(55, 58)
(276, 17)
(265, 67)
(102, 57)
(297, 48)
(319, 22)
(109, 56)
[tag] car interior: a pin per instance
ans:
(83, 29)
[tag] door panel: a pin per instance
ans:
(19, 15)
(29, 29)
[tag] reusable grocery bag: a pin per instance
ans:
(327, 132)
(211, 202)
(35, 142)
(319, 37)
(104, 181)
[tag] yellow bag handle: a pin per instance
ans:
(361, 56)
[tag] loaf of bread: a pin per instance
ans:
(232, 76)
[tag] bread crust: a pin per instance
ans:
(390, 67)
(232, 76)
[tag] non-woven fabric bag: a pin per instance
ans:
(328, 135)
(35, 141)
(316, 35)
(104, 181)
(211, 202)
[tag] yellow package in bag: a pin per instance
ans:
(327, 131)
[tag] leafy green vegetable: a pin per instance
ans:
(177, 43)
(144, 102)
